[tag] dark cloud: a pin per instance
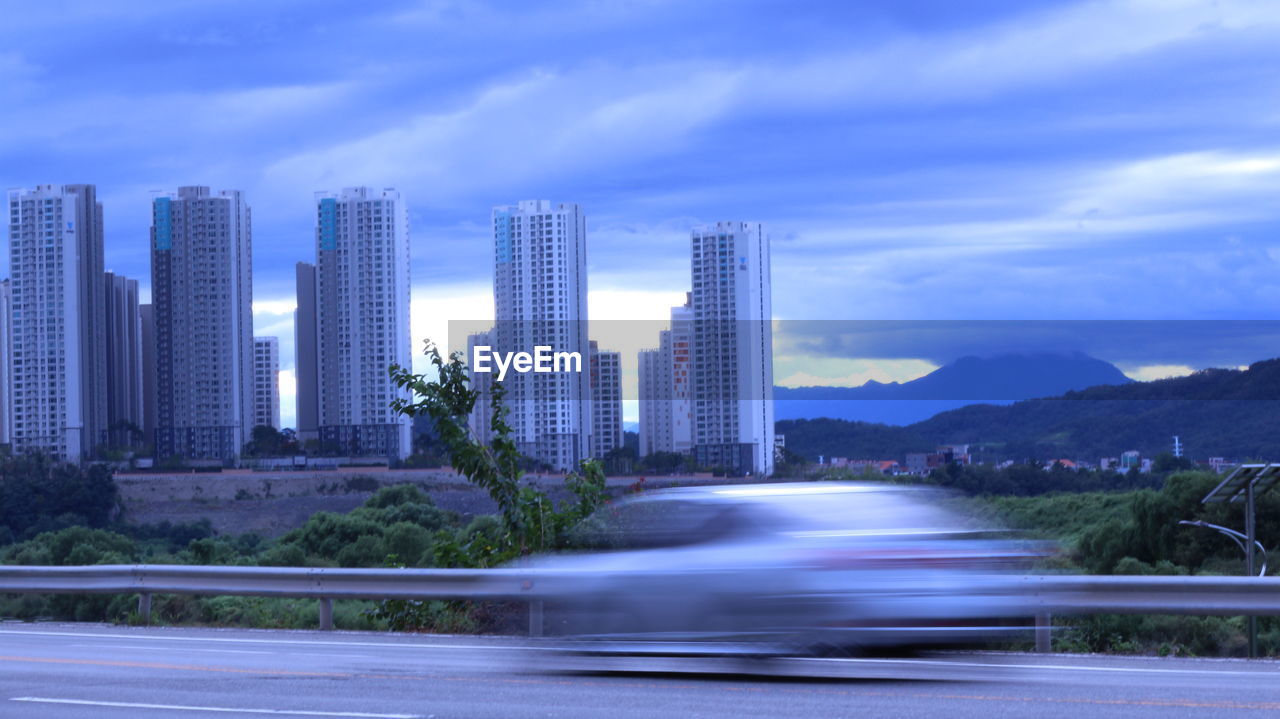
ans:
(914, 159)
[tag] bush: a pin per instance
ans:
(397, 495)
(408, 542)
(74, 545)
(283, 555)
(40, 494)
(366, 551)
(326, 534)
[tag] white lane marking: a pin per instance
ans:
(344, 656)
(906, 662)
(1066, 667)
(297, 642)
(228, 710)
(190, 649)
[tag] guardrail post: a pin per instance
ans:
(535, 618)
(326, 613)
(144, 607)
(1044, 623)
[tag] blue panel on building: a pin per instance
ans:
(164, 223)
(502, 236)
(328, 223)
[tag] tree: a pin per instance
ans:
(38, 493)
(267, 441)
(529, 519)
(620, 460)
(667, 462)
(1166, 463)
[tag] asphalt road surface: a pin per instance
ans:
(62, 671)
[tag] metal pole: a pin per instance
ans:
(535, 618)
(1251, 534)
(326, 613)
(1044, 621)
(144, 608)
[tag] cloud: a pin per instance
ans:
(1082, 160)
(568, 124)
(810, 371)
(445, 314)
(287, 381)
(1147, 373)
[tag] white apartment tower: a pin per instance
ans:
(266, 382)
(540, 299)
(732, 348)
(357, 310)
(58, 321)
(606, 400)
(202, 300)
(666, 407)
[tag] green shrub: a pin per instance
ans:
(409, 542)
(366, 551)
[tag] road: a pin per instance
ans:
(63, 671)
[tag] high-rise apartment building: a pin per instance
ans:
(359, 309)
(666, 408)
(202, 294)
(655, 411)
(6, 362)
(482, 384)
(266, 382)
(540, 299)
(58, 321)
(306, 355)
(606, 400)
(125, 420)
(732, 348)
(148, 333)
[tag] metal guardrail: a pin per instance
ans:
(324, 584)
(267, 581)
(1047, 594)
(1221, 596)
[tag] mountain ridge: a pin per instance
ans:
(1217, 412)
(1000, 378)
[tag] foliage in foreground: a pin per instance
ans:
(398, 524)
(529, 520)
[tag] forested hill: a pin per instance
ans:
(1216, 412)
(999, 379)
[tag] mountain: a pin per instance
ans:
(1000, 380)
(1216, 412)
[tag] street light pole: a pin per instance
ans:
(1248, 543)
(1251, 538)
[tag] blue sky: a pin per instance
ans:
(914, 160)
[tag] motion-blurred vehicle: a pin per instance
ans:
(819, 568)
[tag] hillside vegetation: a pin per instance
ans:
(1217, 412)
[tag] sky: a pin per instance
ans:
(1112, 160)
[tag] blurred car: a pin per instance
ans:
(780, 569)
